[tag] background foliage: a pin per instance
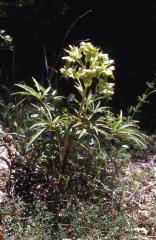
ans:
(125, 28)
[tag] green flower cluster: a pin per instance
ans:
(6, 38)
(86, 63)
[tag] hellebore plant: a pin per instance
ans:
(91, 125)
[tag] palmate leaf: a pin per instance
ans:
(40, 94)
(99, 130)
(29, 91)
(45, 111)
(125, 129)
(81, 133)
(79, 87)
(129, 132)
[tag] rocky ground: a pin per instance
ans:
(7, 156)
(139, 196)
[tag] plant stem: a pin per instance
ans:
(82, 103)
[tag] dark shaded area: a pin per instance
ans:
(125, 29)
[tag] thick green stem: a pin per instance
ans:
(82, 102)
(69, 135)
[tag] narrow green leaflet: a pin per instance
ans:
(39, 87)
(35, 137)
